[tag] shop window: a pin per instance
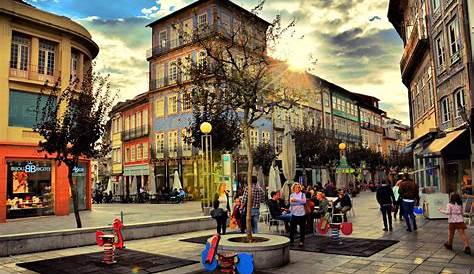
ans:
(29, 190)
(22, 108)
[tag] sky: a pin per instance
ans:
(354, 44)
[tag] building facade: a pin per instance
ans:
(395, 136)
(36, 46)
(436, 68)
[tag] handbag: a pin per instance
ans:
(346, 228)
(308, 207)
(217, 213)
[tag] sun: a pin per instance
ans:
(297, 64)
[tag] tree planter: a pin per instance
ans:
(269, 251)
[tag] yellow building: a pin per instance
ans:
(35, 46)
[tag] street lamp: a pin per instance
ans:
(342, 148)
(206, 147)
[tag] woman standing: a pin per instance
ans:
(222, 206)
(456, 222)
(297, 202)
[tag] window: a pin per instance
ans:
(20, 50)
(163, 39)
(132, 121)
(133, 157)
(185, 134)
(439, 47)
(160, 142)
(453, 35)
(145, 118)
(173, 104)
(127, 123)
(139, 151)
(253, 138)
(74, 64)
(22, 108)
(225, 23)
(139, 119)
(46, 58)
(159, 107)
(172, 141)
(445, 112)
(173, 72)
(459, 101)
(266, 137)
(430, 93)
(127, 155)
(145, 151)
(187, 103)
(202, 21)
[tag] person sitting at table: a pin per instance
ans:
(278, 210)
(343, 203)
(323, 204)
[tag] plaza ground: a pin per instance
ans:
(417, 252)
(103, 215)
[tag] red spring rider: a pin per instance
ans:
(110, 242)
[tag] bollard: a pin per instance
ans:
(121, 216)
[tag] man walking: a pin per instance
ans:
(257, 195)
(408, 191)
(386, 199)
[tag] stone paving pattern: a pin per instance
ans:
(417, 252)
(103, 215)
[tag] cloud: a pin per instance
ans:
(123, 43)
(163, 8)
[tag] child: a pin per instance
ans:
(236, 213)
(456, 222)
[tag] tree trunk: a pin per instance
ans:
(248, 216)
(75, 202)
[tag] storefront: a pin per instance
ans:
(445, 161)
(32, 185)
(29, 188)
(136, 176)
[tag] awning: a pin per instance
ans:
(413, 142)
(439, 146)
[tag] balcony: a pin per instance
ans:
(372, 127)
(416, 45)
(36, 73)
(135, 133)
(198, 33)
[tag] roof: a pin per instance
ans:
(199, 2)
(364, 102)
(129, 103)
(395, 14)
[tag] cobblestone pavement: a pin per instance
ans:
(417, 252)
(103, 215)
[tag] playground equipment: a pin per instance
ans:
(229, 262)
(110, 242)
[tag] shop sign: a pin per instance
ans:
(30, 167)
(78, 171)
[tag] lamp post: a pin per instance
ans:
(206, 147)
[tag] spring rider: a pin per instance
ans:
(110, 242)
(227, 262)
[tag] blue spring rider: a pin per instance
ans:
(227, 262)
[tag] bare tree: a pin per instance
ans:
(233, 74)
(72, 123)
